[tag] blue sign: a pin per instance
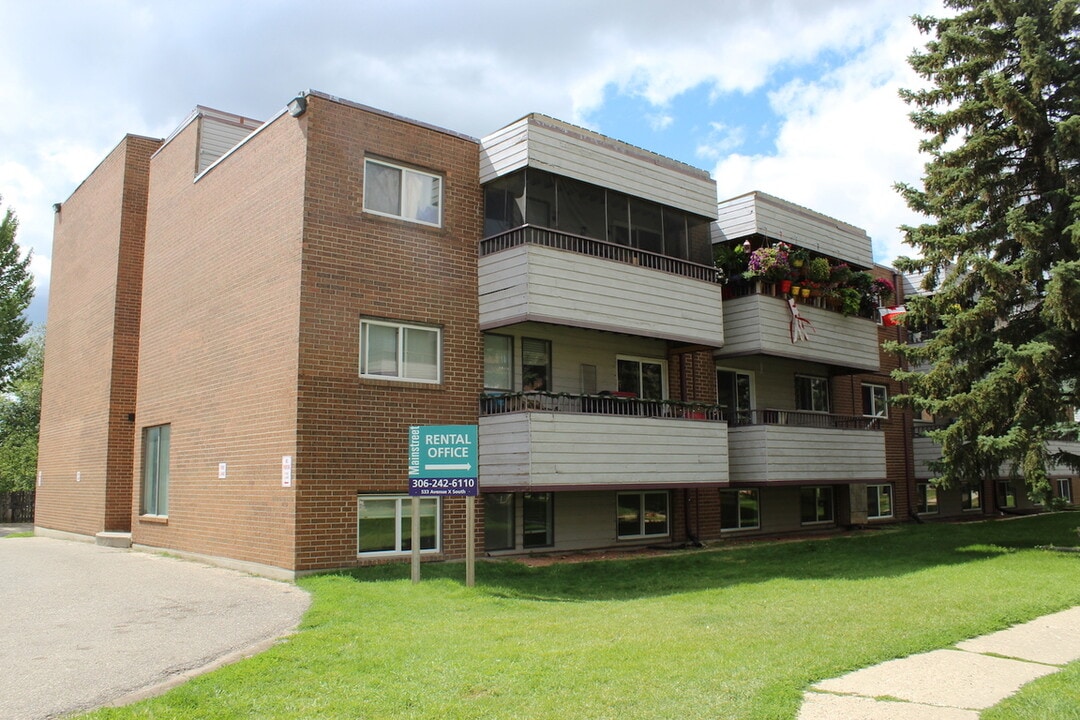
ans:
(443, 460)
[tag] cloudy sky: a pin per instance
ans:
(797, 98)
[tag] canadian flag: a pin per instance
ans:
(891, 315)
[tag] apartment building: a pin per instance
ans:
(247, 317)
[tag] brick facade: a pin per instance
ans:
(91, 357)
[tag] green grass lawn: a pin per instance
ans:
(729, 632)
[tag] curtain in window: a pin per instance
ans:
(421, 354)
(382, 189)
(421, 197)
(381, 350)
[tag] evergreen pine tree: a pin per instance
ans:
(16, 291)
(1001, 248)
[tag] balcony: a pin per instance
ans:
(536, 274)
(926, 451)
(761, 324)
(788, 446)
(546, 441)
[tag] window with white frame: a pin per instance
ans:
(384, 524)
(734, 393)
(739, 510)
(642, 514)
(402, 193)
(811, 393)
(875, 400)
(645, 377)
(155, 480)
(1064, 489)
(927, 499)
(400, 352)
(879, 501)
(970, 497)
(816, 504)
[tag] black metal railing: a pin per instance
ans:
(803, 418)
(600, 404)
(617, 404)
(533, 235)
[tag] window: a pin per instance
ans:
(969, 497)
(879, 501)
(535, 365)
(734, 395)
(642, 376)
(401, 352)
(816, 504)
(1006, 494)
(739, 510)
(1064, 489)
(402, 193)
(155, 489)
(875, 400)
(811, 393)
(538, 518)
(498, 362)
(642, 514)
(499, 521)
(927, 498)
(384, 524)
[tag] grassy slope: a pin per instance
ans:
(731, 633)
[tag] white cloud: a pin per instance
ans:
(844, 140)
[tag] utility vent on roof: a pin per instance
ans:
(220, 132)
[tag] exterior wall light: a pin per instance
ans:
(298, 106)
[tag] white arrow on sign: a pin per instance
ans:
(463, 466)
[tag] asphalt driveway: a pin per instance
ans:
(83, 626)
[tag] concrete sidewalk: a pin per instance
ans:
(84, 626)
(951, 684)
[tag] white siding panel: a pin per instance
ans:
(761, 324)
(780, 453)
(548, 285)
(925, 451)
(760, 213)
(571, 450)
(581, 154)
(217, 137)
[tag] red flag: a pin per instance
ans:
(892, 315)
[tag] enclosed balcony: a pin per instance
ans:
(532, 273)
(788, 446)
(550, 441)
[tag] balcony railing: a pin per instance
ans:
(533, 235)
(602, 404)
(802, 418)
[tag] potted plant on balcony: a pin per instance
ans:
(819, 270)
(881, 290)
(799, 258)
(850, 301)
(769, 263)
(732, 261)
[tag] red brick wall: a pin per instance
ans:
(92, 325)
(218, 355)
(352, 432)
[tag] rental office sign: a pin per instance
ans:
(443, 460)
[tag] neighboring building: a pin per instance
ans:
(1005, 493)
(246, 318)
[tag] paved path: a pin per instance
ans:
(83, 626)
(952, 684)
